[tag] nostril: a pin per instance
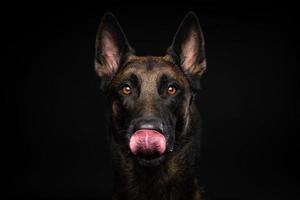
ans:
(149, 124)
(157, 127)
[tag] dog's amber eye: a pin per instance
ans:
(126, 89)
(172, 90)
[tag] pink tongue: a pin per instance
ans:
(147, 142)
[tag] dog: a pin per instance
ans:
(154, 129)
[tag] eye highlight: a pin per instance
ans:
(126, 89)
(172, 90)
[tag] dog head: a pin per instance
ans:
(150, 96)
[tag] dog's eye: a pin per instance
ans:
(172, 90)
(126, 89)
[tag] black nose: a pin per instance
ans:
(148, 123)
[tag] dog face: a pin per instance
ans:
(150, 96)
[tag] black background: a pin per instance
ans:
(55, 115)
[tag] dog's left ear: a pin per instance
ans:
(112, 48)
(187, 48)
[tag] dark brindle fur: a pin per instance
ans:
(138, 90)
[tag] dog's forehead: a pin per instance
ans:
(150, 69)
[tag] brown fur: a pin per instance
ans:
(172, 175)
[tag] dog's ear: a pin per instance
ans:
(187, 49)
(112, 48)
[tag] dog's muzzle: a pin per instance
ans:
(147, 139)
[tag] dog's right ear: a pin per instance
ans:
(112, 48)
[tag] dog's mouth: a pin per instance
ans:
(147, 145)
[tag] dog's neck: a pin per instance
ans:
(170, 180)
(173, 179)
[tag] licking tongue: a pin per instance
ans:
(147, 142)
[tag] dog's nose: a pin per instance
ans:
(149, 123)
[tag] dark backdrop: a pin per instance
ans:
(55, 117)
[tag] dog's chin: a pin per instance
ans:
(154, 161)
